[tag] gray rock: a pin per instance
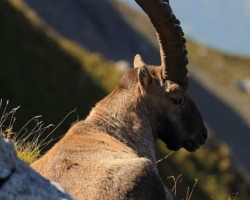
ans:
(243, 84)
(19, 182)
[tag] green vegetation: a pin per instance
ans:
(224, 66)
(94, 64)
(211, 165)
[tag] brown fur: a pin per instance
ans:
(110, 155)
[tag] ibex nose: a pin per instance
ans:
(201, 137)
(197, 140)
(204, 133)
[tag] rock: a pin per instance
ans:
(19, 181)
(243, 84)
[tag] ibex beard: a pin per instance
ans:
(111, 154)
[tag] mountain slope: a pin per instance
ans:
(97, 27)
(46, 74)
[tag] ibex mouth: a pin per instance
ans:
(191, 146)
(196, 142)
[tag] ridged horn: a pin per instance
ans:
(170, 37)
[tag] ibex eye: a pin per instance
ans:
(176, 101)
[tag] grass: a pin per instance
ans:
(93, 63)
(212, 164)
(178, 180)
(28, 141)
(27, 149)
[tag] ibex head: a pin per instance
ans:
(175, 118)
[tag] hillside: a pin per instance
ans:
(97, 27)
(49, 75)
(46, 74)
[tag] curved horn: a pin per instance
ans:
(170, 37)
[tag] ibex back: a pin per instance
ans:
(111, 154)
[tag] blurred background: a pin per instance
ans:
(57, 56)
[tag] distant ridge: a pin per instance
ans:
(80, 21)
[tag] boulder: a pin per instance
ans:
(19, 181)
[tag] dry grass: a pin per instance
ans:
(27, 143)
(158, 161)
(179, 180)
(27, 140)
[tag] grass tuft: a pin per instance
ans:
(179, 180)
(176, 180)
(189, 193)
(28, 142)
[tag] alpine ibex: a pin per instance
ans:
(111, 154)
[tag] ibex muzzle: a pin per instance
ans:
(110, 154)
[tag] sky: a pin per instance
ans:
(220, 24)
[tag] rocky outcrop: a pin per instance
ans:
(19, 181)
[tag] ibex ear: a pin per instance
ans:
(138, 62)
(145, 78)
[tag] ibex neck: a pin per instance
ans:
(125, 117)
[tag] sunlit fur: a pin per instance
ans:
(111, 154)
